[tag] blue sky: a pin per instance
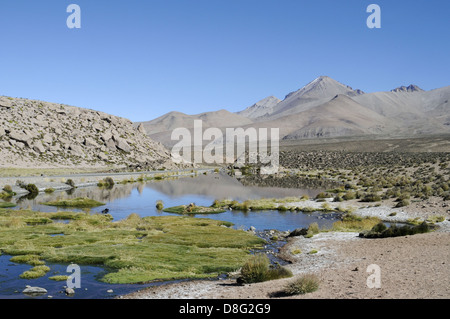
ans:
(143, 58)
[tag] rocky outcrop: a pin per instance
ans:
(410, 88)
(37, 134)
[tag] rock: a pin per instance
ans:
(76, 149)
(38, 147)
(34, 291)
(111, 145)
(122, 144)
(298, 232)
(89, 142)
(69, 291)
(102, 156)
(47, 139)
(141, 129)
(20, 137)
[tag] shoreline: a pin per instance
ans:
(341, 263)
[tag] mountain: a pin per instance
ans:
(161, 128)
(410, 88)
(315, 93)
(340, 116)
(42, 134)
(173, 120)
(262, 108)
(326, 108)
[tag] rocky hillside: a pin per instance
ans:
(42, 134)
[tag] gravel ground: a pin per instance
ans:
(411, 267)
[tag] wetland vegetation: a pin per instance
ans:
(134, 250)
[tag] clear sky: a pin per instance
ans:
(143, 58)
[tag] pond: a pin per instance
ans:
(123, 200)
(141, 198)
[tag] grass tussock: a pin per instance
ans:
(193, 210)
(79, 202)
(305, 284)
(35, 272)
(7, 205)
(381, 231)
(354, 223)
(258, 269)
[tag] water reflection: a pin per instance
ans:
(124, 199)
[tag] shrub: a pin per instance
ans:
(394, 231)
(159, 205)
(49, 190)
(303, 285)
(321, 195)
(32, 189)
(349, 196)
(8, 189)
(402, 203)
(108, 182)
(371, 198)
(71, 183)
(313, 229)
(257, 269)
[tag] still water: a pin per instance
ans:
(141, 198)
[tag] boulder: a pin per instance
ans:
(142, 129)
(38, 147)
(34, 291)
(69, 291)
(298, 232)
(111, 145)
(20, 137)
(89, 142)
(76, 149)
(6, 103)
(122, 144)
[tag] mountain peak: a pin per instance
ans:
(324, 87)
(410, 88)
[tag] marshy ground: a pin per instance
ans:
(369, 187)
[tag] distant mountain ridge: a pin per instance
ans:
(327, 108)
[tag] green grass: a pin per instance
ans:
(132, 250)
(281, 204)
(7, 205)
(187, 210)
(353, 223)
(27, 259)
(75, 203)
(35, 272)
(59, 278)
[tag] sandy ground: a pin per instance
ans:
(410, 267)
